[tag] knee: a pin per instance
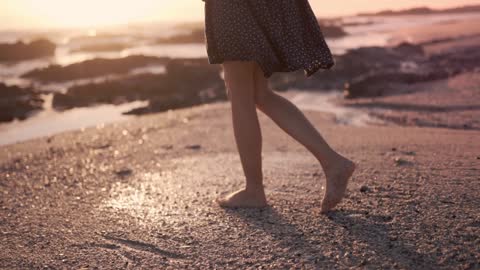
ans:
(262, 96)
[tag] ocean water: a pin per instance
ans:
(369, 31)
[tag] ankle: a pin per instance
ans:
(329, 160)
(256, 189)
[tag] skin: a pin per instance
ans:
(248, 90)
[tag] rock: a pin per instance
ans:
(332, 31)
(401, 162)
(25, 51)
(410, 49)
(193, 147)
(386, 83)
(187, 82)
(93, 68)
(124, 172)
(18, 103)
(382, 62)
(365, 189)
(376, 85)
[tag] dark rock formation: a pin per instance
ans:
(93, 68)
(385, 80)
(186, 82)
(17, 103)
(379, 84)
(355, 63)
(409, 50)
(378, 71)
(332, 31)
(24, 51)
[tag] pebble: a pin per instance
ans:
(400, 161)
(193, 146)
(364, 189)
(124, 172)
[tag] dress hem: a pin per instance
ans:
(267, 74)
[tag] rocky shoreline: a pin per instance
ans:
(186, 82)
(92, 68)
(18, 103)
(368, 72)
(26, 50)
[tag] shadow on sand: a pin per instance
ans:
(289, 237)
(375, 232)
(379, 235)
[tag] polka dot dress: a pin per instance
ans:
(280, 35)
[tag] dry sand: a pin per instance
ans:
(138, 194)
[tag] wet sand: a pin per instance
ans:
(452, 103)
(438, 31)
(138, 194)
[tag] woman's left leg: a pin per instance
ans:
(287, 116)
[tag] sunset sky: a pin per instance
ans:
(91, 13)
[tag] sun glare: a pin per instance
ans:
(98, 13)
(94, 13)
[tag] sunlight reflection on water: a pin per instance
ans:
(324, 102)
(49, 121)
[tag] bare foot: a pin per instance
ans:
(337, 181)
(243, 199)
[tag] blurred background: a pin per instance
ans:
(73, 64)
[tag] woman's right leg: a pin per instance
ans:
(239, 81)
(287, 116)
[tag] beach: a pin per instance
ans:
(138, 194)
(133, 187)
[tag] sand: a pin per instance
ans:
(449, 103)
(138, 194)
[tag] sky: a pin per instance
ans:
(95, 13)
